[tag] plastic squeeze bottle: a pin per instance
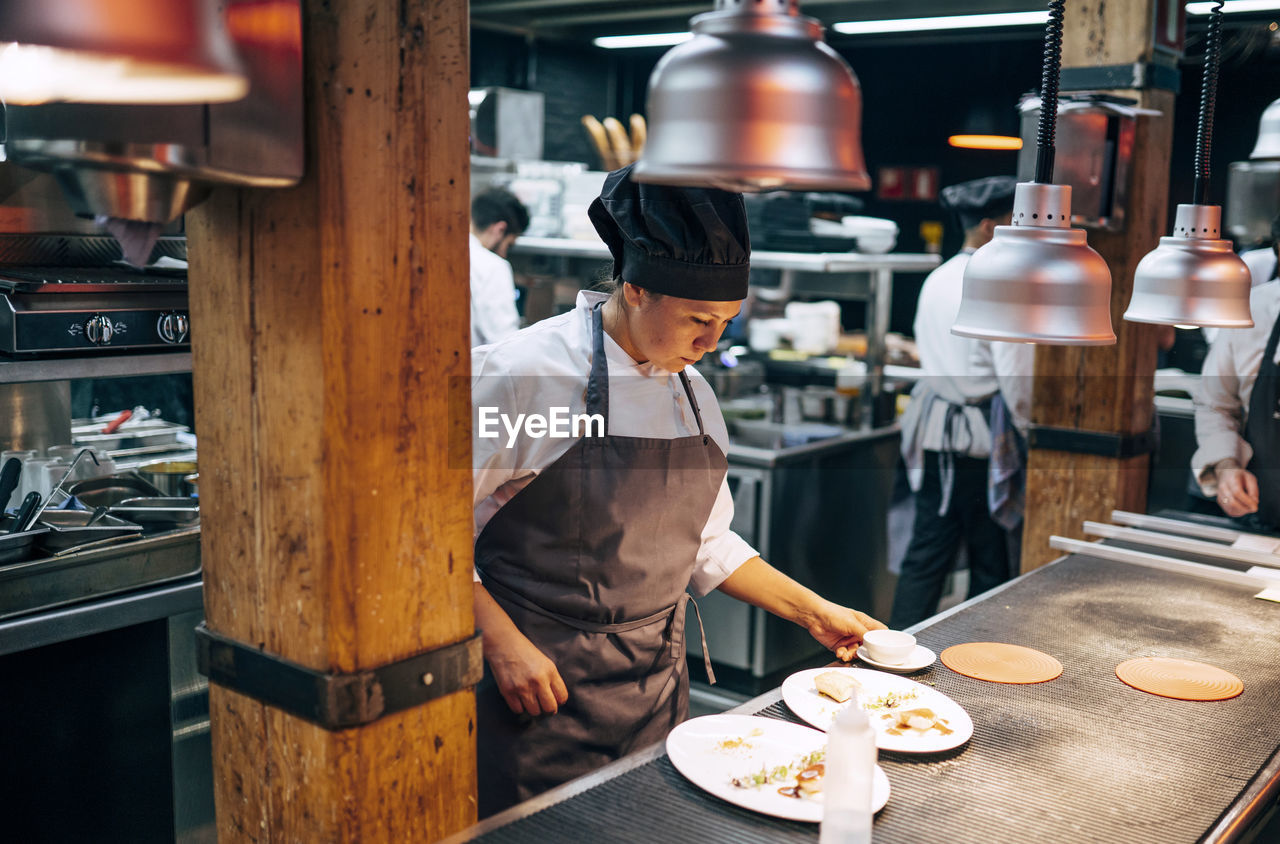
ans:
(846, 788)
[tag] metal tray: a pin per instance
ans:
(148, 432)
(17, 546)
(150, 511)
(110, 490)
(56, 581)
(67, 528)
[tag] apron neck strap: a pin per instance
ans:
(693, 403)
(598, 382)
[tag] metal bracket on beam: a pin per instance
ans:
(338, 701)
(1138, 76)
(1102, 443)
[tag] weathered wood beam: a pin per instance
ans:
(335, 482)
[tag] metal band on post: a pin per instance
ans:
(1101, 443)
(338, 701)
(1136, 76)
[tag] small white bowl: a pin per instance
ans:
(892, 647)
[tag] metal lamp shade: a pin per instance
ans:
(1037, 280)
(1268, 145)
(754, 101)
(117, 51)
(1192, 278)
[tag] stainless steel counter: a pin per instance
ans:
(1080, 758)
(58, 599)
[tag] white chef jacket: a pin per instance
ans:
(547, 365)
(948, 378)
(493, 296)
(1012, 365)
(1261, 264)
(1226, 382)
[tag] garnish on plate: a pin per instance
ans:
(800, 778)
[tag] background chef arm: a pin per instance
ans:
(838, 628)
(1219, 412)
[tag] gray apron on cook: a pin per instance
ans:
(1262, 431)
(591, 560)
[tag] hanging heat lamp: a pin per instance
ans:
(116, 51)
(1037, 280)
(756, 100)
(1194, 278)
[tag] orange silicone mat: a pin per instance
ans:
(998, 662)
(1180, 679)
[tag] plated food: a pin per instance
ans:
(763, 764)
(908, 717)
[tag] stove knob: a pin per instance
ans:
(98, 329)
(173, 327)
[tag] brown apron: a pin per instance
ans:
(591, 560)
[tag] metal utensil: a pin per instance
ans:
(66, 496)
(9, 480)
(26, 513)
(98, 513)
(69, 527)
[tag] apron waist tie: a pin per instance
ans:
(702, 634)
(576, 623)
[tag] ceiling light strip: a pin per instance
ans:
(1234, 6)
(653, 39)
(943, 22)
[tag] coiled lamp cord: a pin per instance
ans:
(1208, 98)
(1049, 92)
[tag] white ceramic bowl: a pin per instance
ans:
(892, 647)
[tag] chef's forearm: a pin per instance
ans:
(761, 585)
(492, 621)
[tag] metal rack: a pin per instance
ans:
(15, 371)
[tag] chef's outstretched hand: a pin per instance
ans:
(840, 629)
(528, 680)
(1237, 491)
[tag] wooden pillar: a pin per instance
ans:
(1106, 388)
(336, 488)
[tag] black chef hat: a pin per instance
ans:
(687, 242)
(980, 199)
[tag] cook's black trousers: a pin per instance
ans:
(935, 539)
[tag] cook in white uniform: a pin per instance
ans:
(1237, 458)
(946, 437)
(497, 219)
(586, 543)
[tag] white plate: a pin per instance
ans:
(710, 751)
(921, 657)
(819, 710)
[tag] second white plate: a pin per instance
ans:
(882, 693)
(713, 750)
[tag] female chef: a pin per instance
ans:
(587, 541)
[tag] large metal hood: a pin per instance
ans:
(150, 163)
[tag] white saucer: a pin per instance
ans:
(921, 657)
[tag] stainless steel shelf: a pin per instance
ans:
(106, 366)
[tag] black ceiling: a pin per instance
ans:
(574, 20)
